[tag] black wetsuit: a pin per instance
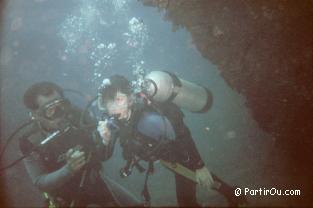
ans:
(181, 150)
(49, 172)
(156, 143)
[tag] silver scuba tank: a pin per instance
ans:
(163, 86)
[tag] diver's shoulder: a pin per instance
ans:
(30, 135)
(167, 109)
(29, 131)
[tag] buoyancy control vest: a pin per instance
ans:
(149, 146)
(53, 154)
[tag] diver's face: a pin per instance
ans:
(120, 107)
(51, 110)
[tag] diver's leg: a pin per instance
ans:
(185, 192)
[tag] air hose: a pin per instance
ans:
(9, 140)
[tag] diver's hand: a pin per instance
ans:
(104, 132)
(204, 178)
(75, 160)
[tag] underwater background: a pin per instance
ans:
(77, 44)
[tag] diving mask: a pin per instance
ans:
(55, 109)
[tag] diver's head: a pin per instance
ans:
(46, 102)
(115, 97)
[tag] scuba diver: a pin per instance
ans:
(63, 159)
(151, 127)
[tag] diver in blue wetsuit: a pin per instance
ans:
(153, 132)
(63, 159)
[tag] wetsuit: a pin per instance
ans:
(49, 172)
(177, 143)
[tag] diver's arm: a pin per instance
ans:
(189, 145)
(43, 180)
(186, 143)
(104, 151)
(184, 138)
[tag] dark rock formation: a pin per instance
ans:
(2, 191)
(264, 51)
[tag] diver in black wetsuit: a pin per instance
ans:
(156, 132)
(64, 160)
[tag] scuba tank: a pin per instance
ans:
(163, 86)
